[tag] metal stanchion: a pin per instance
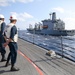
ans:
(62, 46)
(33, 35)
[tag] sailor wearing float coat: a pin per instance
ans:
(2, 28)
(12, 37)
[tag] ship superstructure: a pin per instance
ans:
(52, 26)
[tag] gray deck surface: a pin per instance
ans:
(48, 65)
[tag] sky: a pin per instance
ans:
(34, 11)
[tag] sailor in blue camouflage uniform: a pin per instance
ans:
(2, 27)
(12, 37)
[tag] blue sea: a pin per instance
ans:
(62, 45)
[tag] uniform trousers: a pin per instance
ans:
(2, 49)
(13, 52)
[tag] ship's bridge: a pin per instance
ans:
(53, 23)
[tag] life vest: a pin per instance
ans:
(0, 24)
(8, 32)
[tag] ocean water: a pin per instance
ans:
(63, 45)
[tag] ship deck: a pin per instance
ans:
(32, 60)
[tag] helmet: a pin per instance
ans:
(1, 16)
(13, 17)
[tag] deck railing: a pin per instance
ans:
(62, 45)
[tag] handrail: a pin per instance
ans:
(70, 50)
(53, 42)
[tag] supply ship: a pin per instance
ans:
(52, 26)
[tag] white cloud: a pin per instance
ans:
(70, 13)
(8, 2)
(59, 9)
(24, 19)
(25, 15)
(69, 19)
(22, 16)
(12, 0)
(39, 0)
(69, 23)
(3, 2)
(24, 1)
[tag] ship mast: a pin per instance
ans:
(53, 16)
(50, 15)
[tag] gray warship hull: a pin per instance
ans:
(53, 32)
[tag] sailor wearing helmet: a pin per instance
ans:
(2, 27)
(12, 37)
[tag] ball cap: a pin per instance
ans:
(1, 16)
(13, 17)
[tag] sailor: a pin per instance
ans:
(12, 37)
(2, 27)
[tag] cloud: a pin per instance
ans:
(24, 1)
(24, 19)
(70, 23)
(70, 13)
(8, 2)
(22, 16)
(39, 0)
(3, 2)
(69, 19)
(59, 9)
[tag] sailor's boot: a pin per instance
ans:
(13, 68)
(3, 58)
